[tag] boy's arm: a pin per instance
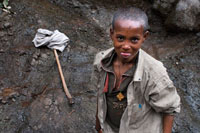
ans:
(167, 123)
(164, 98)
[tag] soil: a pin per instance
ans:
(31, 93)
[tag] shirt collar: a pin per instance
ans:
(139, 67)
(107, 64)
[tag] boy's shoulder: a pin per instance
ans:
(152, 65)
(100, 55)
(150, 60)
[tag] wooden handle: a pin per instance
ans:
(62, 78)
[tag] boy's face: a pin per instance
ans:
(127, 37)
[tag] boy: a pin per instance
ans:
(135, 94)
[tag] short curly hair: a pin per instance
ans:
(131, 13)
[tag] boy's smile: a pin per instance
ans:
(127, 37)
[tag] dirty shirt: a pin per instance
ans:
(116, 106)
(149, 94)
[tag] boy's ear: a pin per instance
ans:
(111, 33)
(146, 34)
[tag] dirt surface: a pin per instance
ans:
(31, 94)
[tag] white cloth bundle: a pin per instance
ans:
(51, 39)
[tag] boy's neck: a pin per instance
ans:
(124, 63)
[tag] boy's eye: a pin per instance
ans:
(134, 40)
(120, 38)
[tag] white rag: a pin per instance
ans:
(51, 39)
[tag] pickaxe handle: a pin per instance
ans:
(63, 79)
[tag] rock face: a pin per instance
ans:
(182, 14)
(31, 96)
(185, 16)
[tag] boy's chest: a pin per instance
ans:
(120, 70)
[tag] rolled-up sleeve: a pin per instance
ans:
(163, 96)
(94, 78)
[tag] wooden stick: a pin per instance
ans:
(62, 78)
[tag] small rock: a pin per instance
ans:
(7, 25)
(39, 21)
(93, 11)
(39, 126)
(3, 101)
(35, 56)
(91, 50)
(35, 128)
(198, 34)
(44, 56)
(33, 62)
(2, 34)
(76, 4)
(56, 102)
(28, 32)
(40, 62)
(2, 51)
(47, 101)
(13, 99)
(83, 45)
(10, 33)
(7, 118)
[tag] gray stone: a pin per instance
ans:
(181, 14)
(47, 101)
(35, 56)
(13, 99)
(7, 118)
(10, 33)
(91, 50)
(164, 6)
(33, 62)
(76, 4)
(44, 56)
(83, 45)
(185, 16)
(2, 34)
(3, 101)
(198, 34)
(7, 25)
(40, 62)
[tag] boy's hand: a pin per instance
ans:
(100, 131)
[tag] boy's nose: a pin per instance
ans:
(126, 46)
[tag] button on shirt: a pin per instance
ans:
(115, 107)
